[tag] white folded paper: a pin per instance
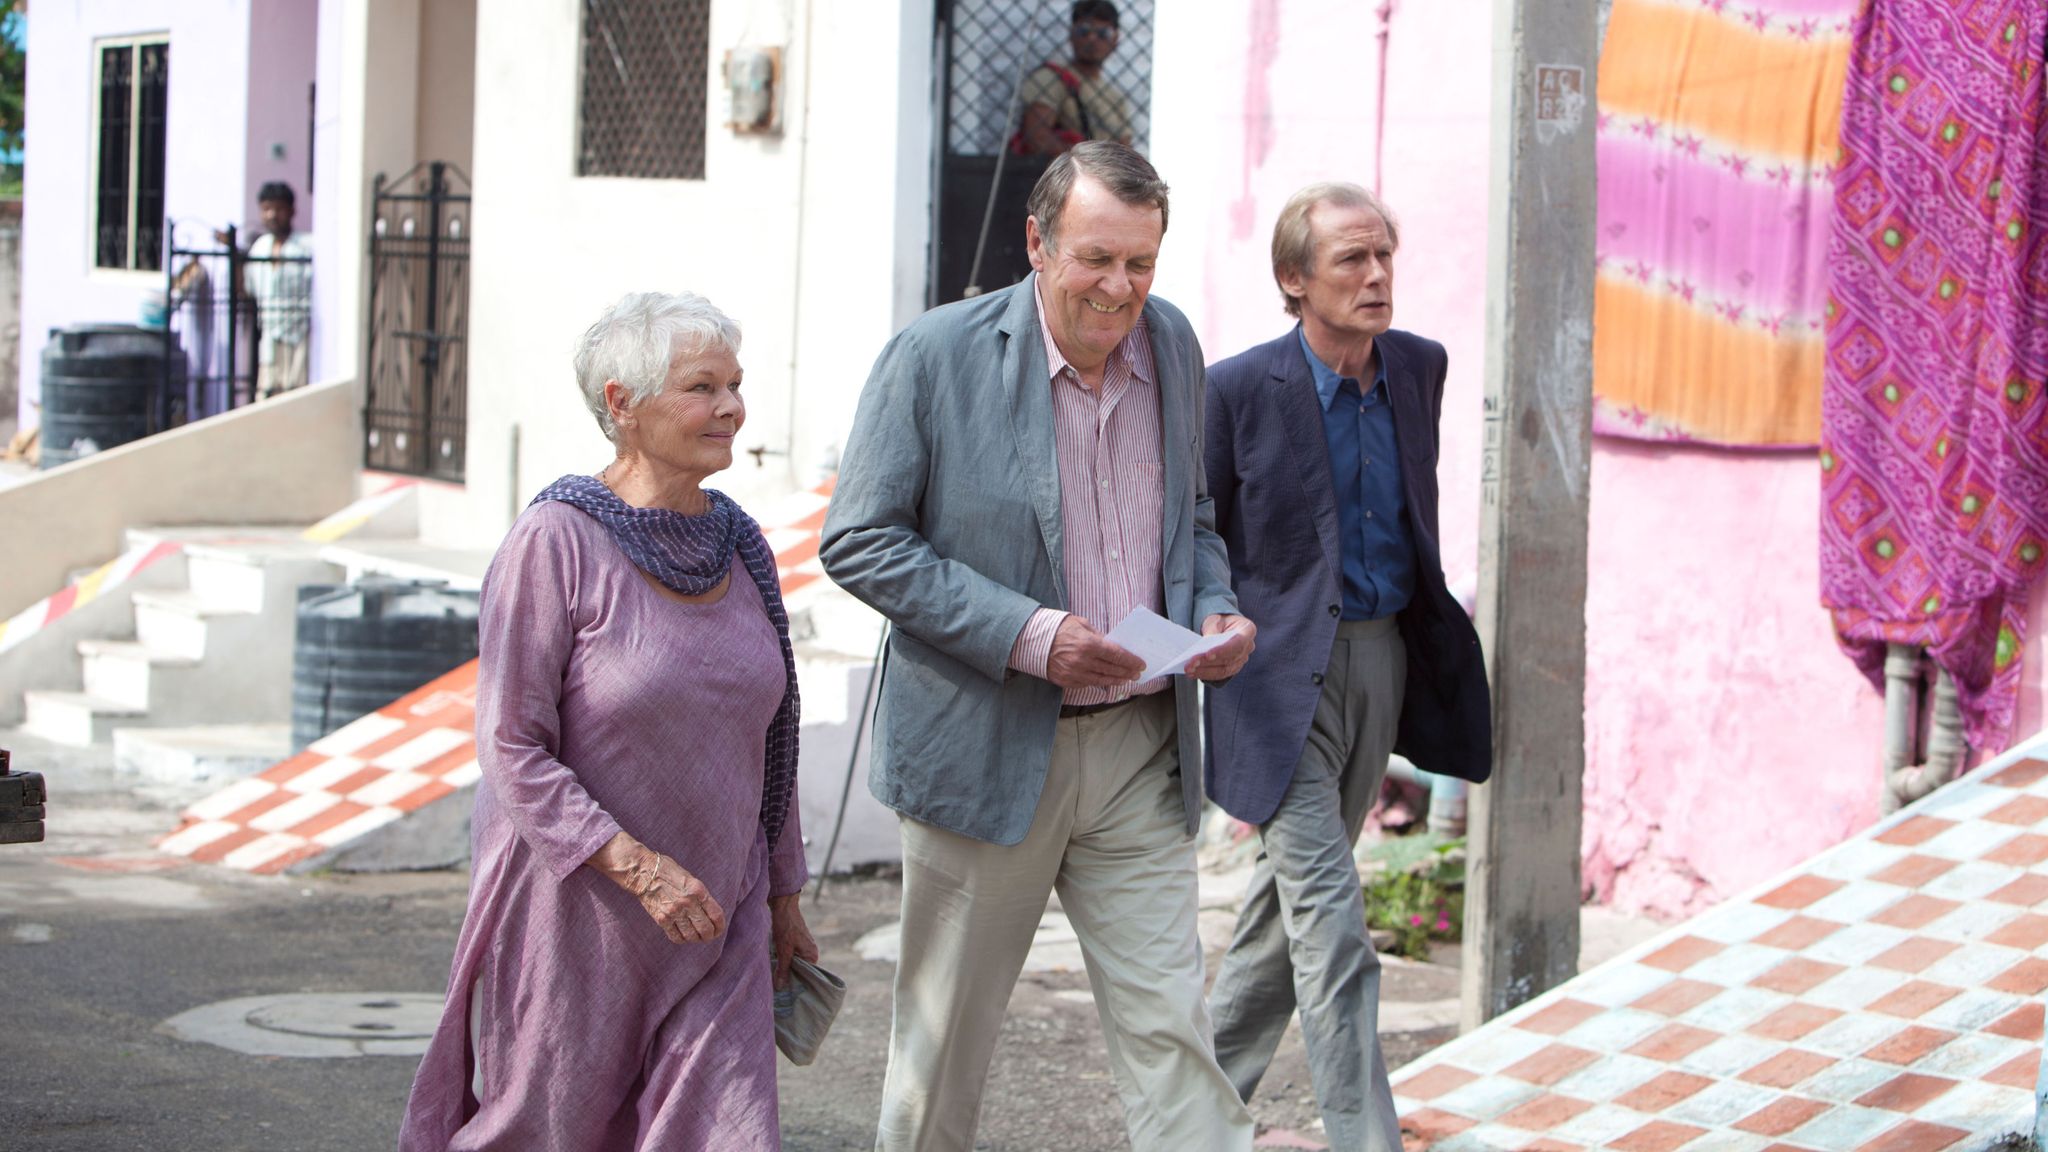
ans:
(1164, 646)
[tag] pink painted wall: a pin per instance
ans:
(1727, 738)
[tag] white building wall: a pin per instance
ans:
(205, 161)
(368, 76)
(551, 249)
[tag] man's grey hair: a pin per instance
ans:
(639, 339)
(1128, 176)
(1294, 248)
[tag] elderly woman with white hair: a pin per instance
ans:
(637, 859)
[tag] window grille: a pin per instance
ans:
(134, 80)
(990, 40)
(643, 88)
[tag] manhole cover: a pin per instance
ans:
(314, 1024)
(351, 1017)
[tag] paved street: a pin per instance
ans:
(101, 941)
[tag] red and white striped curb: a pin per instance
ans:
(341, 523)
(344, 786)
(402, 757)
(15, 631)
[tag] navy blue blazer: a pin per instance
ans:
(1276, 509)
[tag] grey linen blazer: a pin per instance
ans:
(946, 520)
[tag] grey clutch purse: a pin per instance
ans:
(804, 1010)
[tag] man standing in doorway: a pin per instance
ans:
(1065, 104)
(1024, 471)
(1365, 652)
(279, 275)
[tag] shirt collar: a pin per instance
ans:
(1327, 380)
(1121, 357)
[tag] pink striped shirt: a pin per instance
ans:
(1112, 492)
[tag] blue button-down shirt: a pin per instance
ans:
(1365, 464)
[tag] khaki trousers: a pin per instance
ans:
(285, 371)
(1301, 938)
(1108, 835)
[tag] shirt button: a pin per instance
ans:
(1105, 483)
(1368, 515)
(1315, 677)
(1335, 611)
(1113, 554)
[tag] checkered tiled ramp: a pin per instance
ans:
(410, 753)
(344, 786)
(1885, 996)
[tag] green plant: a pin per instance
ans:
(1416, 890)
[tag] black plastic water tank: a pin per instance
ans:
(100, 387)
(360, 646)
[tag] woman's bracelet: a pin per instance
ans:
(644, 881)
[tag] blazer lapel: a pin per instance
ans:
(1027, 379)
(1301, 412)
(1407, 400)
(1169, 360)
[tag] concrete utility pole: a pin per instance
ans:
(1522, 891)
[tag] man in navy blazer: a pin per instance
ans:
(1321, 455)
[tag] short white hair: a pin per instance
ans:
(638, 340)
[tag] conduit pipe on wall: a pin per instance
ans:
(1904, 780)
(1446, 795)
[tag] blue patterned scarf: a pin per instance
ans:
(690, 555)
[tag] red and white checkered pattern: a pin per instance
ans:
(1886, 995)
(792, 528)
(344, 786)
(404, 756)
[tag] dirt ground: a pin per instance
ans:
(102, 940)
(1050, 1085)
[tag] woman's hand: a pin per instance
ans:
(678, 902)
(791, 936)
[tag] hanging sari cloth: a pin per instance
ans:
(1934, 460)
(1716, 141)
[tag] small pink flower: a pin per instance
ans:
(1415, 920)
(1443, 925)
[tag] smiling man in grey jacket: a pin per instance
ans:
(1025, 469)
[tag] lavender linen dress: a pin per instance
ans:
(601, 705)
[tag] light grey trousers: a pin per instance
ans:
(1301, 939)
(1110, 835)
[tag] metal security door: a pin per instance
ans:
(416, 416)
(984, 49)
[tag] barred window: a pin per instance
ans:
(128, 178)
(643, 88)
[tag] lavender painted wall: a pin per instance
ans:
(1726, 736)
(322, 215)
(281, 68)
(203, 173)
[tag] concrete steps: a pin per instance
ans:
(212, 752)
(76, 717)
(216, 651)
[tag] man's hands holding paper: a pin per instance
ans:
(1081, 657)
(1228, 660)
(1145, 646)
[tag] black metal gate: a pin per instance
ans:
(239, 323)
(984, 50)
(416, 416)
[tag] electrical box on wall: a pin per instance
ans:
(753, 85)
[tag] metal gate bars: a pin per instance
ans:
(415, 415)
